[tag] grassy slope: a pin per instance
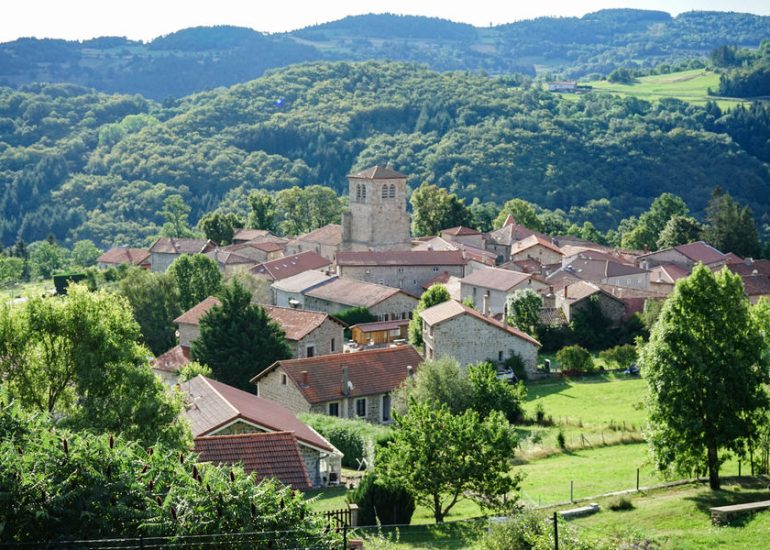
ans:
(691, 86)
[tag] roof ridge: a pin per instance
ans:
(222, 397)
(249, 434)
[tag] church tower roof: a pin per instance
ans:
(378, 173)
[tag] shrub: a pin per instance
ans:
(620, 356)
(575, 359)
(381, 504)
(620, 504)
(354, 438)
(561, 441)
(529, 531)
(516, 363)
(539, 413)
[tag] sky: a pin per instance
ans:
(147, 19)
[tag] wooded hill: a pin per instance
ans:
(196, 59)
(80, 164)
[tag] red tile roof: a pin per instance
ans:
(732, 258)
(701, 252)
(525, 266)
(378, 173)
(351, 292)
(170, 245)
(213, 405)
(401, 258)
(511, 232)
(495, 278)
(298, 323)
(228, 257)
(330, 234)
(756, 285)
(460, 231)
(667, 273)
(281, 268)
(452, 308)
(251, 234)
(119, 255)
(268, 455)
(751, 267)
(173, 360)
(370, 372)
(193, 315)
(440, 279)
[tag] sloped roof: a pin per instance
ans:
(330, 234)
(268, 455)
(352, 292)
(495, 278)
(298, 323)
(751, 267)
(460, 231)
(733, 258)
(263, 246)
(580, 290)
(534, 240)
(193, 315)
(452, 308)
(756, 285)
(302, 281)
(527, 265)
(251, 234)
(401, 258)
(510, 233)
(172, 360)
(213, 405)
(228, 257)
(451, 283)
(378, 173)
(370, 372)
(281, 268)
(700, 251)
(377, 326)
(120, 255)
(171, 245)
(667, 273)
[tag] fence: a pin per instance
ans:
(342, 517)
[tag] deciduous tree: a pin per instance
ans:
(434, 209)
(220, 227)
(523, 308)
(431, 297)
(261, 211)
(196, 277)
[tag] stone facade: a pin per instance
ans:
(399, 306)
(407, 278)
(278, 387)
(188, 333)
(160, 261)
(496, 301)
(538, 252)
(469, 340)
(377, 218)
(639, 281)
(612, 308)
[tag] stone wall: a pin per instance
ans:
(540, 253)
(374, 222)
(398, 303)
(272, 387)
(407, 278)
(188, 334)
(159, 261)
(321, 339)
(347, 407)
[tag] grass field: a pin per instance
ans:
(691, 86)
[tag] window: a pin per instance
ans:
(283, 379)
(404, 315)
(334, 409)
(474, 293)
(333, 347)
(358, 192)
(435, 269)
(361, 407)
(400, 270)
(500, 355)
(363, 193)
(384, 191)
(392, 193)
(386, 407)
(310, 351)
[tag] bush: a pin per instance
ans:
(354, 316)
(575, 359)
(620, 356)
(381, 504)
(529, 531)
(619, 504)
(561, 441)
(354, 438)
(516, 363)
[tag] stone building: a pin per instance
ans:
(536, 248)
(685, 256)
(575, 296)
(120, 255)
(376, 218)
(455, 330)
(288, 266)
(384, 302)
(325, 241)
(216, 409)
(167, 249)
(489, 288)
(350, 385)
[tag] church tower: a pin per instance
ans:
(377, 218)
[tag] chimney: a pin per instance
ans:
(410, 371)
(565, 291)
(305, 378)
(485, 305)
(345, 381)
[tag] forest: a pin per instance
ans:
(203, 58)
(77, 164)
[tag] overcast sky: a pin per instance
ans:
(147, 19)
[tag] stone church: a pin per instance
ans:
(377, 219)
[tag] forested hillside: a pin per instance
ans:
(83, 165)
(197, 59)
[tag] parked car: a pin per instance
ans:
(632, 370)
(507, 374)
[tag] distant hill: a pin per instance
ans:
(204, 58)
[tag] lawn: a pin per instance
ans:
(691, 86)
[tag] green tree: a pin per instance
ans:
(437, 382)
(730, 228)
(482, 214)
(238, 340)
(46, 258)
(381, 504)
(704, 382)
(193, 369)
(303, 210)
(679, 230)
(525, 213)
(441, 458)
(261, 211)
(78, 358)
(85, 253)
(435, 295)
(434, 209)
(523, 307)
(220, 227)
(646, 232)
(154, 299)
(489, 393)
(196, 278)
(590, 326)
(11, 270)
(176, 212)
(575, 358)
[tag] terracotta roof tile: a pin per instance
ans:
(298, 323)
(170, 245)
(352, 292)
(756, 285)
(193, 315)
(251, 234)
(213, 405)
(511, 232)
(495, 278)
(534, 240)
(751, 267)
(120, 255)
(452, 308)
(398, 258)
(172, 360)
(268, 455)
(370, 372)
(460, 231)
(330, 234)
(701, 252)
(378, 173)
(228, 257)
(288, 266)
(667, 273)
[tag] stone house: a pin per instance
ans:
(228, 261)
(575, 296)
(501, 240)
(475, 258)
(489, 288)
(288, 266)
(325, 241)
(252, 235)
(451, 329)
(290, 292)
(349, 385)
(407, 270)
(685, 256)
(260, 252)
(166, 365)
(308, 333)
(464, 235)
(339, 294)
(120, 255)
(167, 249)
(536, 248)
(600, 270)
(663, 277)
(216, 409)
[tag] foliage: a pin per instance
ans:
(261, 211)
(704, 382)
(46, 258)
(191, 370)
(575, 359)
(488, 393)
(438, 382)
(84, 253)
(434, 209)
(238, 340)
(440, 458)
(11, 270)
(523, 212)
(77, 357)
(381, 504)
(590, 327)
(523, 307)
(651, 312)
(196, 278)
(355, 316)
(303, 210)
(154, 299)
(529, 531)
(730, 228)
(220, 227)
(355, 438)
(647, 231)
(620, 504)
(176, 213)
(258, 287)
(60, 485)
(621, 356)
(679, 230)
(435, 295)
